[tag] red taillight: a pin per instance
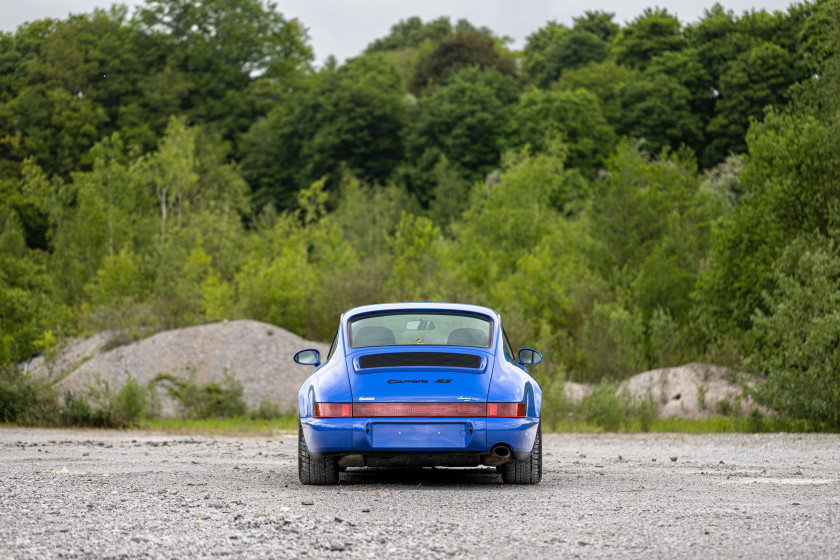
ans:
(332, 410)
(506, 410)
(418, 410)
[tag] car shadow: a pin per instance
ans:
(410, 476)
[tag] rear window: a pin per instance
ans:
(436, 328)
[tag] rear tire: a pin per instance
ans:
(315, 471)
(529, 471)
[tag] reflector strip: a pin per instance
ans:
(332, 410)
(418, 410)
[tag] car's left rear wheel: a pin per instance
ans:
(313, 470)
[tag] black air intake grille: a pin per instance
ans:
(422, 359)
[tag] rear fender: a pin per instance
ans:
(328, 383)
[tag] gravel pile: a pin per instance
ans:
(100, 494)
(257, 354)
(691, 391)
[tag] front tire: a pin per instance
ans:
(525, 472)
(315, 471)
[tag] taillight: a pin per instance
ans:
(506, 410)
(418, 410)
(332, 410)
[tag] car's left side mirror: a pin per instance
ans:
(529, 357)
(308, 357)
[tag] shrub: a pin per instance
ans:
(213, 400)
(102, 407)
(612, 409)
(267, 410)
(555, 406)
(646, 413)
(25, 399)
(604, 408)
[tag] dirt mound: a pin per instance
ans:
(691, 391)
(259, 355)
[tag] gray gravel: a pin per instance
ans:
(257, 354)
(102, 494)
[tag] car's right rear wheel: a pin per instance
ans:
(313, 470)
(528, 471)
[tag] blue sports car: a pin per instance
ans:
(420, 384)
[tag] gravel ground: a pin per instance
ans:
(101, 494)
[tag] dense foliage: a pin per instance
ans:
(627, 196)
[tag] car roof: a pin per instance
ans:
(419, 306)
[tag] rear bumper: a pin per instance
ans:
(434, 437)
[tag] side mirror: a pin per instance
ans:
(529, 357)
(308, 357)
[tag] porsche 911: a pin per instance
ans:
(420, 385)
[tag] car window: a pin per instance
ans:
(437, 328)
(508, 347)
(333, 346)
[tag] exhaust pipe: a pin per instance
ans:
(501, 451)
(499, 455)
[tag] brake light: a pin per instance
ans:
(418, 410)
(506, 410)
(332, 410)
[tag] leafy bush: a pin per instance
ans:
(213, 400)
(102, 407)
(267, 410)
(555, 406)
(603, 407)
(24, 399)
(611, 409)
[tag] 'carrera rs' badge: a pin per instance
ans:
(390, 381)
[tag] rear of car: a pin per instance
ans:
(414, 385)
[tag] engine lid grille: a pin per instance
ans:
(420, 359)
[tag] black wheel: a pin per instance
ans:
(525, 472)
(315, 471)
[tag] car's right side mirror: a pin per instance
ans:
(529, 357)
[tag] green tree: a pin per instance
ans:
(211, 50)
(602, 79)
(658, 109)
(651, 34)
(652, 221)
(796, 342)
(412, 33)
(573, 115)
(509, 216)
(463, 121)
(535, 60)
(353, 117)
(417, 271)
(27, 305)
(753, 81)
(599, 23)
(464, 49)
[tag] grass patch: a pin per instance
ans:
(716, 425)
(240, 425)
